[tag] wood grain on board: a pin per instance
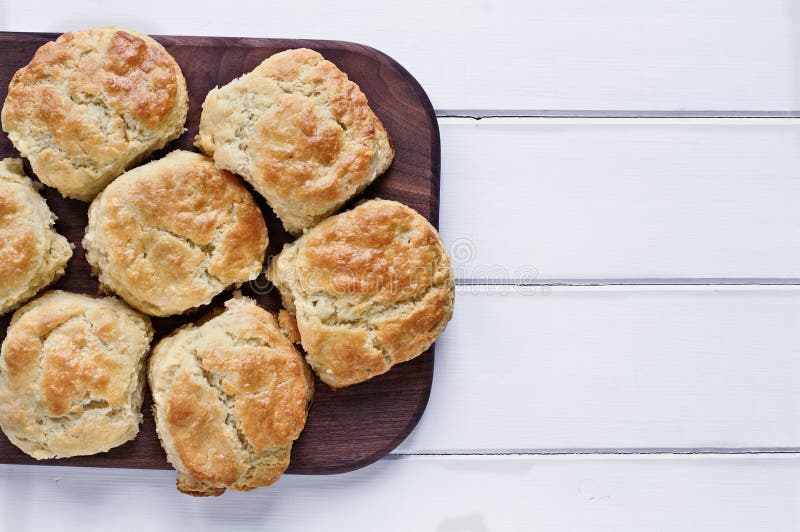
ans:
(348, 428)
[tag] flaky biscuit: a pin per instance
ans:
(300, 132)
(370, 288)
(170, 235)
(91, 104)
(72, 374)
(230, 396)
(32, 253)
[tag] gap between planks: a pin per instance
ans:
(677, 451)
(777, 118)
(487, 287)
(479, 114)
(465, 282)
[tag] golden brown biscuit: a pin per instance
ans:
(32, 254)
(170, 235)
(300, 132)
(370, 288)
(72, 374)
(230, 396)
(91, 104)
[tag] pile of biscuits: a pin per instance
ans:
(362, 290)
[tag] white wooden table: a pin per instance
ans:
(621, 196)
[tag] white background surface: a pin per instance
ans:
(651, 170)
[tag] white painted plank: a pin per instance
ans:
(567, 368)
(665, 493)
(542, 54)
(629, 198)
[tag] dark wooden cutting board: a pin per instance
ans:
(348, 428)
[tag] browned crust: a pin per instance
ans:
(32, 253)
(71, 375)
(230, 397)
(288, 325)
(370, 288)
(172, 234)
(300, 132)
(92, 103)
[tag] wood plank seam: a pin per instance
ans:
(479, 114)
(655, 118)
(754, 281)
(604, 451)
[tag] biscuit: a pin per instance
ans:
(72, 374)
(93, 103)
(230, 396)
(370, 288)
(32, 253)
(300, 132)
(170, 235)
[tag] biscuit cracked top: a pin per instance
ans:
(32, 253)
(71, 375)
(170, 235)
(230, 397)
(370, 288)
(91, 104)
(300, 132)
